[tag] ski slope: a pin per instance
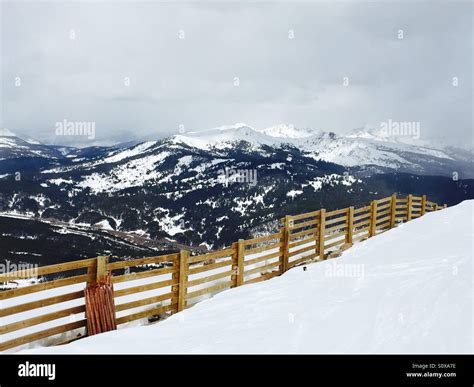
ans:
(409, 290)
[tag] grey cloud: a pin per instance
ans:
(190, 82)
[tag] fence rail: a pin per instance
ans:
(151, 286)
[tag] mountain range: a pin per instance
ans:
(212, 187)
(365, 148)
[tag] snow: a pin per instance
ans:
(7, 133)
(135, 172)
(293, 193)
(289, 131)
(361, 147)
(225, 137)
(172, 225)
(104, 224)
(143, 170)
(423, 146)
(207, 165)
(232, 126)
(6, 142)
(243, 204)
(408, 290)
(60, 181)
(131, 152)
(31, 141)
(330, 180)
(276, 166)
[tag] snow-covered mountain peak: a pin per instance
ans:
(4, 132)
(369, 133)
(12, 146)
(290, 131)
(362, 147)
(225, 136)
(395, 133)
(235, 126)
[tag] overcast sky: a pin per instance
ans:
(72, 61)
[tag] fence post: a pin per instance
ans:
(423, 205)
(92, 272)
(283, 247)
(175, 288)
(409, 206)
(393, 210)
(101, 272)
(183, 278)
(240, 262)
(286, 242)
(235, 264)
(322, 231)
(373, 217)
(350, 224)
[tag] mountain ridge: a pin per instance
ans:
(220, 185)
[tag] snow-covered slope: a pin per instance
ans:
(12, 147)
(409, 290)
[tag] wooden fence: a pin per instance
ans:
(167, 284)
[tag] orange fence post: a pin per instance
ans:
(100, 306)
(99, 300)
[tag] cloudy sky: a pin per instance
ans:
(142, 69)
